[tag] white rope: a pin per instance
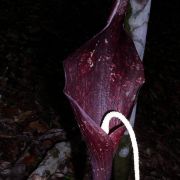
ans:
(105, 127)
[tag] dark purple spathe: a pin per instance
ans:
(104, 74)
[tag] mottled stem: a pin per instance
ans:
(138, 22)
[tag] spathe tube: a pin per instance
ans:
(121, 117)
(103, 75)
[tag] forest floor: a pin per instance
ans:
(34, 114)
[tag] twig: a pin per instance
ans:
(58, 155)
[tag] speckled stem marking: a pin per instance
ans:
(139, 22)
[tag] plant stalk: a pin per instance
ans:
(137, 25)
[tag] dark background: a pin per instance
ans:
(35, 37)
